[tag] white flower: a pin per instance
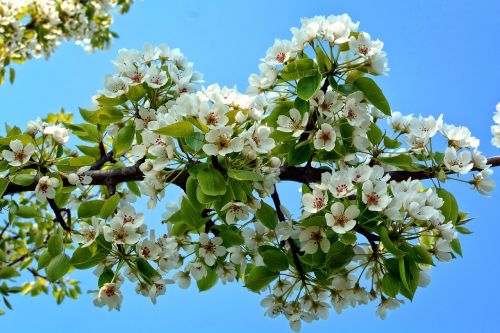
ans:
(226, 273)
(377, 63)
(126, 215)
(375, 196)
(279, 53)
(356, 112)
(337, 29)
(387, 304)
(259, 140)
(59, 133)
(459, 164)
(315, 201)
(325, 138)
(328, 104)
(120, 233)
(425, 128)
(215, 117)
(220, 142)
(495, 131)
(183, 279)
(480, 161)
(364, 46)
(158, 287)
(311, 238)
(483, 183)
(398, 122)
(360, 174)
(46, 188)
(236, 211)
(156, 78)
(87, 233)
(148, 249)
(109, 295)
(197, 270)
(79, 178)
(210, 248)
(18, 154)
(340, 220)
(295, 124)
(114, 86)
(340, 184)
(459, 137)
(442, 249)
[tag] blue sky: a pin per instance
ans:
(444, 59)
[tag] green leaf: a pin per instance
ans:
(388, 244)
(324, 63)
(208, 281)
(391, 143)
(191, 186)
(455, 245)
(180, 129)
(244, 175)
(259, 278)
(390, 285)
(301, 105)
(90, 208)
(373, 94)
(308, 86)
(109, 206)
(105, 277)
(338, 256)
(348, 238)
(12, 75)
(27, 212)
(146, 270)
(81, 161)
(190, 215)
(449, 209)
(108, 101)
(55, 244)
(231, 237)
(123, 140)
(314, 221)
(195, 141)
(211, 182)
(299, 69)
(58, 267)
(4, 182)
(375, 135)
(402, 272)
(44, 259)
(3, 257)
(299, 154)
(84, 258)
(401, 161)
(22, 179)
(136, 92)
(267, 216)
(8, 272)
(274, 259)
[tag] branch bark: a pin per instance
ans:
(304, 175)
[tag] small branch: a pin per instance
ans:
(369, 236)
(293, 247)
(59, 218)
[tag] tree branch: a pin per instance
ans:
(304, 175)
(293, 247)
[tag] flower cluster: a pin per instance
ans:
(495, 129)
(375, 215)
(34, 28)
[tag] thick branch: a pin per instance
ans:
(305, 175)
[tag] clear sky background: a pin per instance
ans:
(444, 58)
